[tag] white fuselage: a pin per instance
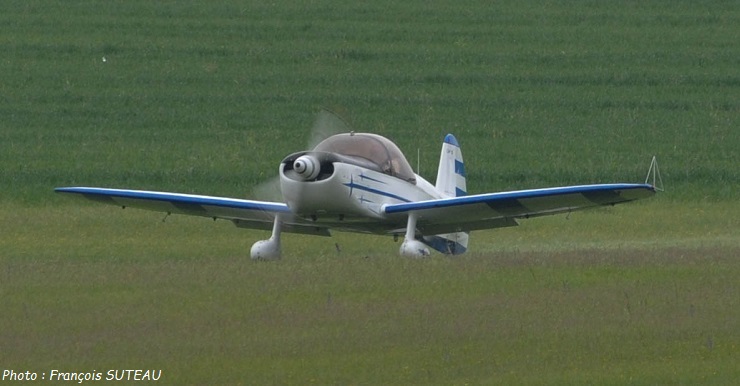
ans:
(351, 195)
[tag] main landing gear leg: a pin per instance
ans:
(268, 249)
(411, 247)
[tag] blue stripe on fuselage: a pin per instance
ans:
(352, 185)
(364, 177)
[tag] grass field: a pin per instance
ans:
(208, 98)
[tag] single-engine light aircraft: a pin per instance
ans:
(358, 182)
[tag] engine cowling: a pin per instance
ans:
(307, 167)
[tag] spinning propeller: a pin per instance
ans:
(307, 166)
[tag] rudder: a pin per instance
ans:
(451, 182)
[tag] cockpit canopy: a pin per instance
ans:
(378, 150)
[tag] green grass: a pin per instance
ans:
(184, 297)
(208, 98)
(538, 95)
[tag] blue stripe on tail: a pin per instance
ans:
(459, 168)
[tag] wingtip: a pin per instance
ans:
(449, 138)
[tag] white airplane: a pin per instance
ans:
(359, 182)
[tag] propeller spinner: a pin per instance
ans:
(307, 167)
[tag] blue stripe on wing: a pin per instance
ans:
(602, 194)
(177, 199)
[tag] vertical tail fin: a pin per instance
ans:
(451, 171)
(450, 183)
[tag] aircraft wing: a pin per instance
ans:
(243, 213)
(494, 210)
